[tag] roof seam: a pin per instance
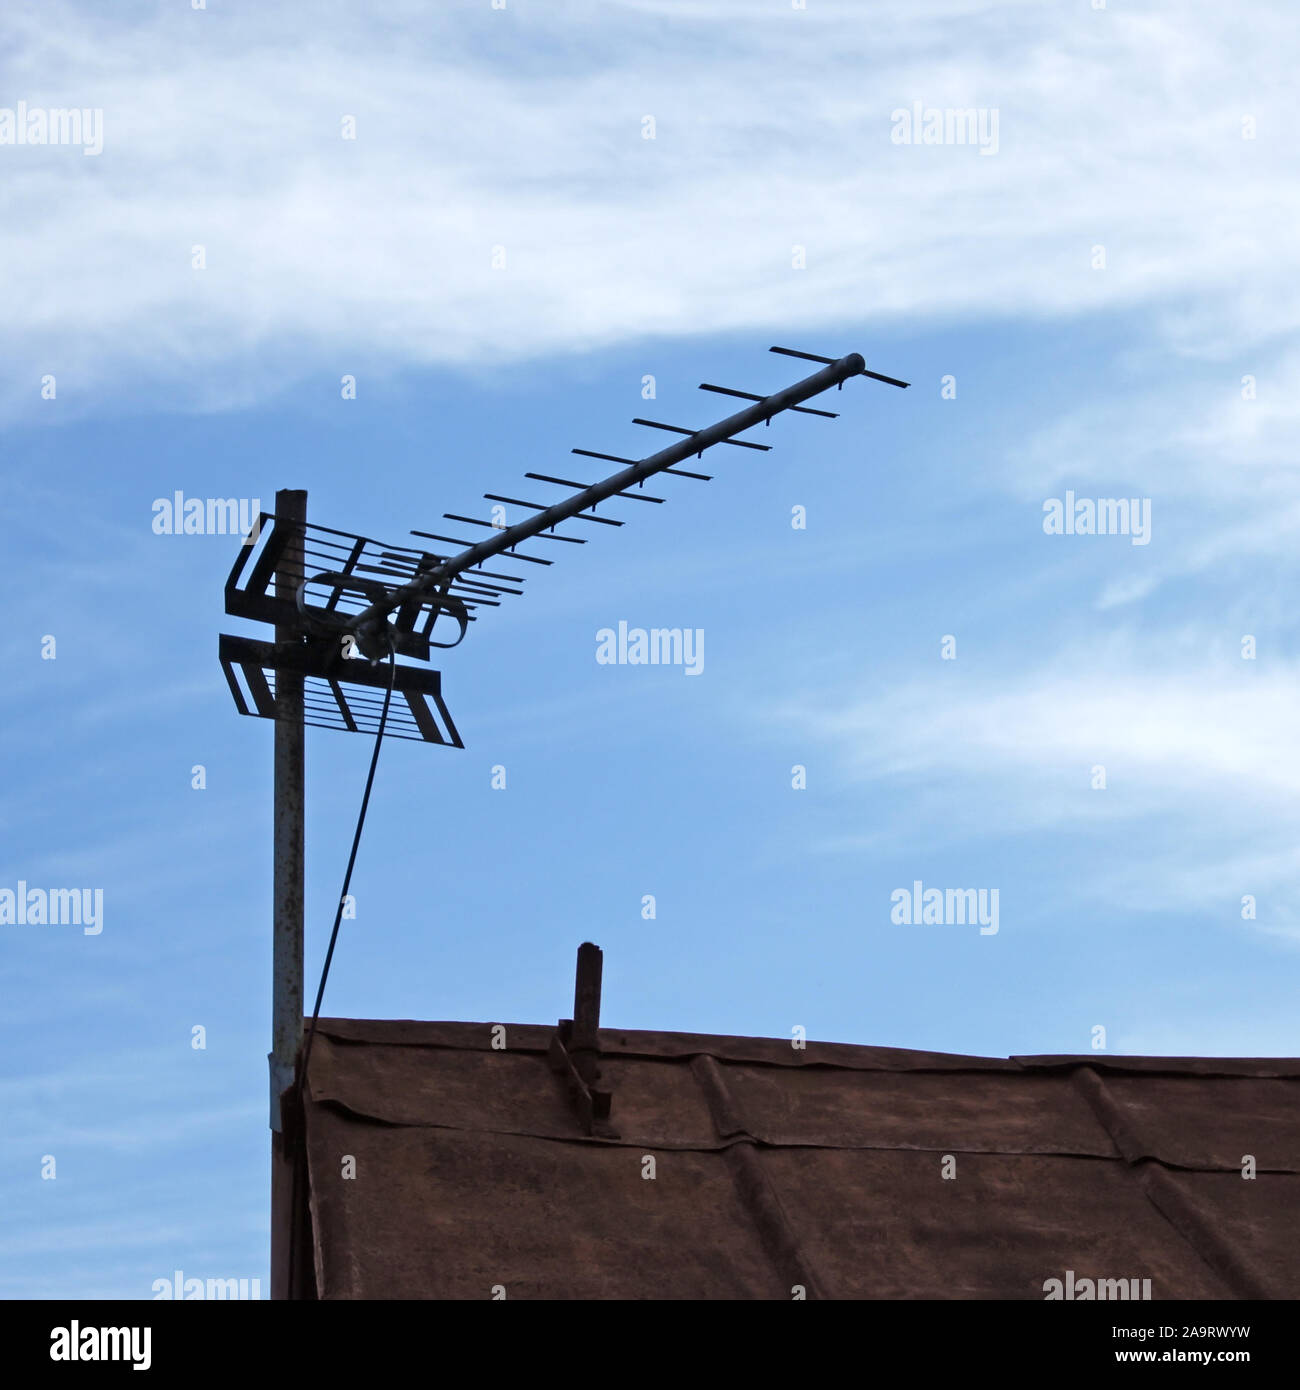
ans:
(1012, 1066)
(741, 1135)
(754, 1188)
(1158, 1188)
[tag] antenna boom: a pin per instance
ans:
(373, 619)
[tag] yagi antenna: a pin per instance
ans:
(371, 627)
(340, 603)
(345, 595)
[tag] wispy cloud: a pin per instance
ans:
(225, 132)
(1203, 759)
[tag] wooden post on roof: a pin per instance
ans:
(584, 1046)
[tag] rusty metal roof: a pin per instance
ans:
(775, 1168)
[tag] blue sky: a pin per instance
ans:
(1169, 374)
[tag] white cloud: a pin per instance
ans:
(522, 128)
(1197, 434)
(1060, 722)
(1202, 761)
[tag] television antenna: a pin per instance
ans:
(341, 603)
